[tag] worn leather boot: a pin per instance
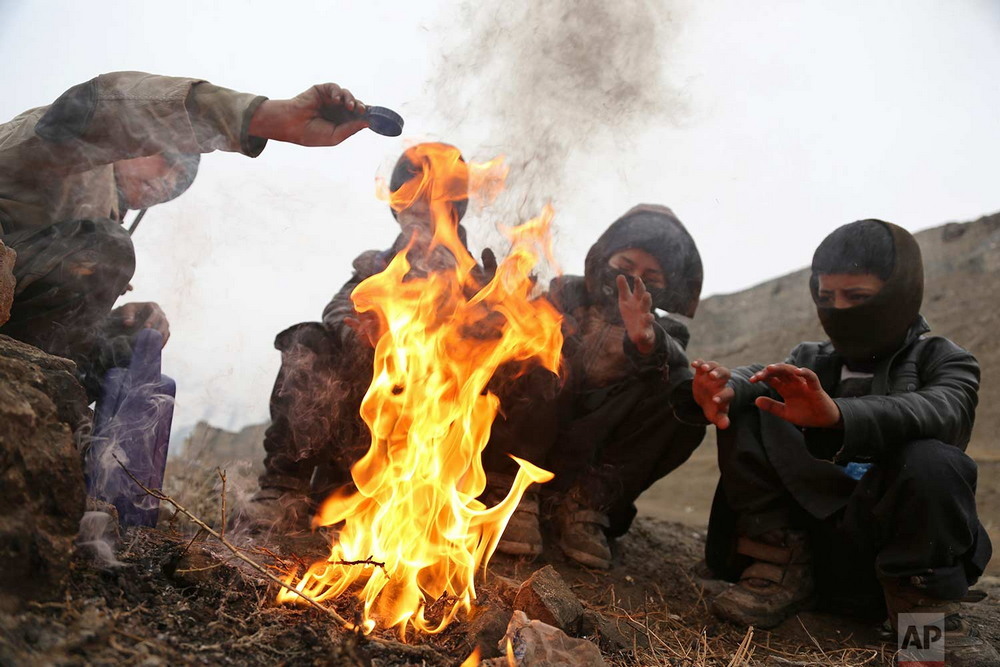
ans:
(962, 644)
(581, 534)
(522, 536)
(778, 584)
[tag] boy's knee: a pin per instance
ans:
(930, 462)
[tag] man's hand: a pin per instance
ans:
(712, 391)
(806, 404)
(324, 115)
(635, 306)
(144, 315)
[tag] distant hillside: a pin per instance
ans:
(962, 269)
(210, 446)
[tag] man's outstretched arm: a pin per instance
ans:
(123, 115)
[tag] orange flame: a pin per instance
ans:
(441, 338)
(473, 660)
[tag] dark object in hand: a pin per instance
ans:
(384, 121)
(380, 119)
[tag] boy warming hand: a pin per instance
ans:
(804, 402)
(843, 476)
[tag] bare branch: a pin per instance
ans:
(159, 495)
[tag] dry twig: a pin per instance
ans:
(159, 495)
(367, 561)
(222, 524)
(799, 619)
(745, 650)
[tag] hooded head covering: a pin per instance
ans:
(876, 328)
(411, 165)
(656, 230)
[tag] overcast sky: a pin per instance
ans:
(796, 117)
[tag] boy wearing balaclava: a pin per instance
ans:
(618, 435)
(844, 480)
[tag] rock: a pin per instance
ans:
(53, 376)
(42, 495)
(487, 628)
(546, 597)
(537, 644)
(7, 257)
(504, 588)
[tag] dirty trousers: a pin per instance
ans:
(616, 442)
(910, 517)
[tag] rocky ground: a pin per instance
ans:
(167, 600)
(174, 596)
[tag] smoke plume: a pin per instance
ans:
(552, 83)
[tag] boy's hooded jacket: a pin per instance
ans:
(618, 434)
(595, 334)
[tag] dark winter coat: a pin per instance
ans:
(928, 389)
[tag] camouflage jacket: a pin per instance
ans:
(56, 161)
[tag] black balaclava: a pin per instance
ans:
(878, 327)
(656, 230)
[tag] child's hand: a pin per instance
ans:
(712, 392)
(806, 404)
(636, 307)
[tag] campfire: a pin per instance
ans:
(411, 531)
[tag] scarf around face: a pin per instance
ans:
(875, 329)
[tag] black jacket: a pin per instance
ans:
(928, 389)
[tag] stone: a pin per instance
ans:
(7, 257)
(504, 588)
(537, 644)
(42, 495)
(487, 627)
(546, 597)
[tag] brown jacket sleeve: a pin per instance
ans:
(123, 115)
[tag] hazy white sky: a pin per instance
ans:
(800, 116)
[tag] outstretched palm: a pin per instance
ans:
(805, 402)
(712, 392)
(636, 308)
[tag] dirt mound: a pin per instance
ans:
(42, 491)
